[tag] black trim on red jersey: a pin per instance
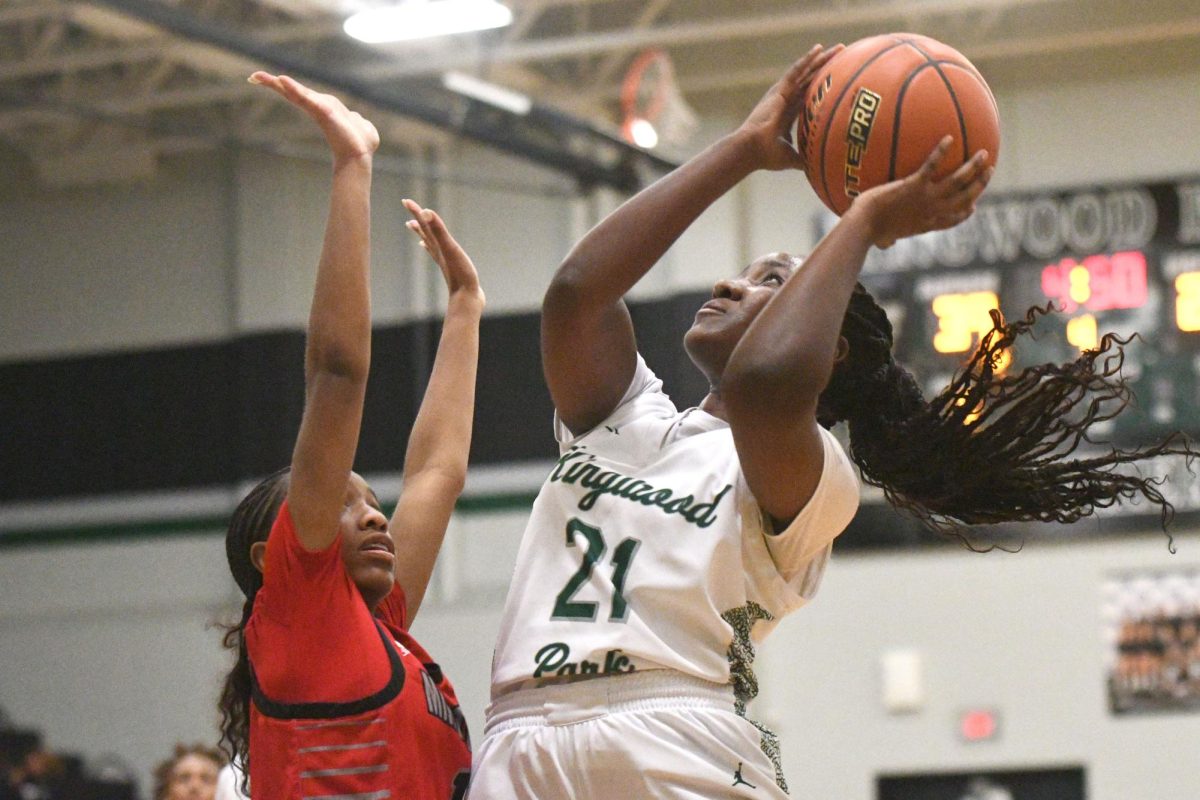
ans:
(276, 710)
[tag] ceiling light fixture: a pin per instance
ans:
(643, 133)
(423, 19)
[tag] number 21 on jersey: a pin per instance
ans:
(565, 606)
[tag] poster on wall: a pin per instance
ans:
(1152, 641)
(1065, 783)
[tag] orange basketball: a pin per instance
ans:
(875, 112)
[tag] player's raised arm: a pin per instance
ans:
(779, 369)
(435, 465)
(338, 345)
(322, 639)
(588, 347)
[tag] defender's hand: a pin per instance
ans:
(348, 133)
(457, 269)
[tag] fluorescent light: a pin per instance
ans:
(643, 134)
(421, 19)
(486, 92)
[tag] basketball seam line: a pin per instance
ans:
(962, 125)
(937, 65)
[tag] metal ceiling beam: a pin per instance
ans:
(685, 33)
(522, 4)
(89, 59)
(31, 12)
(1086, 40)
(544, 135)
(148, 49)
(29, 117)
(993, 50)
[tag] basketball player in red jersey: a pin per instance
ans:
(330, 695)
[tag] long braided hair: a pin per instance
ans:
(251, 523)
(990, 447)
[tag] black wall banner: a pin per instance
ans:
(1011, 784)
(218, 414)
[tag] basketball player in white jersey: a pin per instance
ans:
(665, 544)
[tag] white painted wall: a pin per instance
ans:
(515, 239)
(225, 244)
(222, 244)
(1018, 633)
(106, 648)
(1115, 129)
(106, 269)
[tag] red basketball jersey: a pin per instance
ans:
(344, 703)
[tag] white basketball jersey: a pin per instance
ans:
(646, 550)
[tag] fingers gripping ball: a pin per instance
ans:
(875, 112)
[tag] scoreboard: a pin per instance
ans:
(1118, 259)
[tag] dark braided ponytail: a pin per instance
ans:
(990, 447)
(251, 523)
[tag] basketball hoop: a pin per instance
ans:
(655, 111)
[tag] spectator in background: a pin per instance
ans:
(26, 768)
(190, 774)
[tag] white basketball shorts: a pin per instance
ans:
(654, 734)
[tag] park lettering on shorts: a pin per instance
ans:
(577, 467)
(552, 659)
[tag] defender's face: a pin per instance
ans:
(722, 321)
(368, 550)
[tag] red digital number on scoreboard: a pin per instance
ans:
(1097, 283)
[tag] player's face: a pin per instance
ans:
(367, 546)
(193, 777)
(722, 321)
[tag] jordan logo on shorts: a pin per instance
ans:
(738, 780)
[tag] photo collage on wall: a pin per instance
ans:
(1152, 641)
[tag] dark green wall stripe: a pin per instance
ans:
(874, 527)
(117, 531)
(208, 523)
